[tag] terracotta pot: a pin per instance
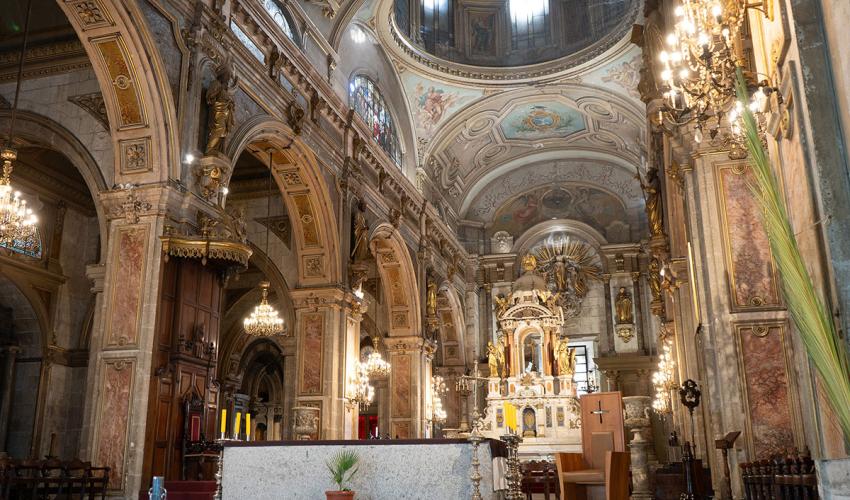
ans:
(339, 495)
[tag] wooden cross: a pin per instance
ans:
(600, 411)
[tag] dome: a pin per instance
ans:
(507, 33)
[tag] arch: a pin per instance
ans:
(49, 134)
(136, 91)
(398, 276)
(367, 100)
(532, 235)
(282, 19)
(305, 193)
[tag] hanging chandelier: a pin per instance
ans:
(663, 379)
(264, 320)
(17, 221)
(359, 391)
(375, 366)
(438, 389)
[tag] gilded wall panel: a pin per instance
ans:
(125, 88)
(309, 229)
(752, 276)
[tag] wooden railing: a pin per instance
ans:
(41, 479)
(791, 477)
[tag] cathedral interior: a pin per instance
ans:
(603, 237)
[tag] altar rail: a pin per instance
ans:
(781, 478)
(49, 478)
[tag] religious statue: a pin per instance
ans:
(652, 195)
(221, 109)
(559, 270)
(623, 306)
(431, 301)
(552, 302)
(493, 360)
(655, 279)
(360, 249)
(500, 355)
(502, 305)
(529, 263)
(566, 358)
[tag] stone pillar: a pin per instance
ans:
(641, 488)
(327, 328)
(609, 320)
(637, 300)
(8, 370)
(123, 334)
(637, 419)
(408, 386)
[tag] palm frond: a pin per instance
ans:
(342, 467)
(809, 313)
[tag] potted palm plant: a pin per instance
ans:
(343, 466)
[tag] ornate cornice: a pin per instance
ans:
(206, 249)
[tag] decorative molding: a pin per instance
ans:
(90, 14)
(132, 207)
(135, 155)
(94, 104)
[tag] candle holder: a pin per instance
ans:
(475, 476)
(513, 475)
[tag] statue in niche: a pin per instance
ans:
(652, 195)
(221, 109)
(566, 358)
(360, 249)
(431, 303)
(623, 306)
(500, 355)
(655, 279)
(493, 360)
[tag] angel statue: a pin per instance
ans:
(502, 305)
(566, 358)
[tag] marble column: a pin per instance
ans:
(327, 328)
(409, 387)
(10, 353)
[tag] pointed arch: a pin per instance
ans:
(398, 276)
(305, 193)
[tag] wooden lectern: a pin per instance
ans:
(604, 460)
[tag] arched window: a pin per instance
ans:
(280, 17)
(367, 101)
(30, 250)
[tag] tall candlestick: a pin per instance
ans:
(247, 427)
(223, 422)
(236, 429)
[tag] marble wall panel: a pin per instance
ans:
(752, 277)
(401, 380)
(116, 387)
(313, 332)
(766, 386)
(128, 268)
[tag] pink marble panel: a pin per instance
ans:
(313, 332)
(401, 405)
(115, 390)
(751, 271)
(771, 421)
(128, 267)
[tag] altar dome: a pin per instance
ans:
(510, 33)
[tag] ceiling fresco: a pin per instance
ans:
(532, 121)
(432, 102)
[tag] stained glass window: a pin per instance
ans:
(32, 250)
(245, 40)
(280, 18)
(367, 101)
(529, 20)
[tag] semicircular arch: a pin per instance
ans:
(398, 277)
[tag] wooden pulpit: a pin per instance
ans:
(604, 461)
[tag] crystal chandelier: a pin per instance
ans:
(17, 221)
(663, 379)
(359, 391)
(438, 389)
(264, 320)
(698, 66)
(375, 365)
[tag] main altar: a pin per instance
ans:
(530, 388)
